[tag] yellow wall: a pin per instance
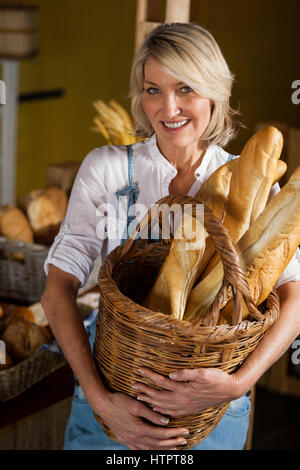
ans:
(260, 41)
(86, 48)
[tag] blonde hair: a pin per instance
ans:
(190, 53)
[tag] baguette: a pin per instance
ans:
(177, 275)
(265, 251)
(251, 182)
(238, 191)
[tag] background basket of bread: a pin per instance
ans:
(165, 307)
(23, 331)
(26, 232)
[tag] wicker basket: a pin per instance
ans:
(22, 276)
(19, 378)
(129, 336)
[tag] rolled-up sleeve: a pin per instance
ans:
(77, 245)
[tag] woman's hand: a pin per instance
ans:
(187, 391)
(138, 427)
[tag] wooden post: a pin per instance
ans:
(141, 14)
(148, 14)
(178, 11)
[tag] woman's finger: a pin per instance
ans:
(159, 380)
(158, 432)
(158, 395)
(186, 375)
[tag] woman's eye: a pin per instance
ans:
(152, 91)
(186, 89)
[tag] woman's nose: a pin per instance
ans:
(171, 106)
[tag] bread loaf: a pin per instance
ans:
(265, 251)
(179, 271)
(20, 312)
(270, 243)
(59, 199)
(238, 191)
(22, 338)
(14, 224)
(45, 210)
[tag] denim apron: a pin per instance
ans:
(83, 431)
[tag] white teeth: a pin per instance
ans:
(174, 125)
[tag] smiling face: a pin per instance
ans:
(178, 115)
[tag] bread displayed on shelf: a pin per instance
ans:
(45, 210)
(14, 224)
(22, 338)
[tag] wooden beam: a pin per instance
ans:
(141, 16)
(154, 11)
(178, 11)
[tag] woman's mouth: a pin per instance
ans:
(175, 126)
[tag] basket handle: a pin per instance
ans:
(233, 274)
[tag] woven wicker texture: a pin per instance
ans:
(22, 376)
(129, 336)
(22, 275)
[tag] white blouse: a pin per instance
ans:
(104, 171)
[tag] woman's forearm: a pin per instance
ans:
(275, 341)
(64, 318)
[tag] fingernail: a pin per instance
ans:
(141, 372)
(182, 441)
(164, 420)
(135, 386)
(186, 433)
(173, 375)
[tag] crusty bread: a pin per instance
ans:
(59, 199)
(238, 191)
(20, 312)
(265, 251)
(280, 170)
(22, 338)
(251, 182)
(269, 245)
(38, 314)
(176, 277)
(45, 210)
(42, 213)
(211, 258)
(14, 224)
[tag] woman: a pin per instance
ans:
(180, 89)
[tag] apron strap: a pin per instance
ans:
(131, 191)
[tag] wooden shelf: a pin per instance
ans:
(277, 378)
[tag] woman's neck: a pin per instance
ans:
(184, 159)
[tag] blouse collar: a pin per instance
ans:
(169, 168)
